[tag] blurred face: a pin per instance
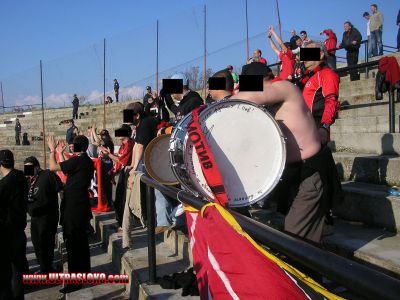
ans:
(303, 35)
(256, 54)
(177, 97)
(299, 42)
(293, 33)
(36, 170)
(367, 18)
(347, 27)
(373, 9)
(310, 65)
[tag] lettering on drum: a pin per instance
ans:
(247, 198)
(245, 108)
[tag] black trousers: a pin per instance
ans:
(75, 112)
(116, 95)
(5, 265)
(43, 232)
(78, 251)
(17, 138)
(19, 263)
(398, 39)
(352, 59)
(120, 196)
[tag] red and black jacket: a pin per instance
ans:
(321, 93)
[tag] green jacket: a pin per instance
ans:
(376, 21)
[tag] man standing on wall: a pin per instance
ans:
(75, 104)
(116, 89)
(376, 26)
(17, 132)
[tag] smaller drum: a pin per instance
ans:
(156, 160)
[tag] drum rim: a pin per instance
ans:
(178, 128)
(281, 136)
(147, 164)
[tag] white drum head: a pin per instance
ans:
(248, 147)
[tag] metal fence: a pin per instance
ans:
(365, 281)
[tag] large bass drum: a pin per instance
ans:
(248, 147)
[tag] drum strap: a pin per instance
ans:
(208, 164)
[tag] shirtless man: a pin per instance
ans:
(303, 193)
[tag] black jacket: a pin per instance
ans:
(354, 35)
(191, 101)
(75, 102)
(13, 201)
(70, 135)
(18, 127)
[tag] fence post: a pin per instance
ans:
(366, 58)
(151, 236)
(391, 112)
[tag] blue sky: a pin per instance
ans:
(68, 37)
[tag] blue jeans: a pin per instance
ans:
(369, 46)
(166, 212)
(163, 209)
(376, 41)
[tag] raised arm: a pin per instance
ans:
(271, 42)
(278, 39)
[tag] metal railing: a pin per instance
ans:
(354, 276)
(20, 108)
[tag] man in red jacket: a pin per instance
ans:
(321, 92)
(330, 44)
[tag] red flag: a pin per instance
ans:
(230, 265)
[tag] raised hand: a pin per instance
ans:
(61, 146)
(51, 142)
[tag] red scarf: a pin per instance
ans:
(208, 164)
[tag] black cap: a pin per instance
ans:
(6, 156)
(32, 160)
(365, 14)
(148, 87)
(256, 68)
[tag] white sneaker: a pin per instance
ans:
(179, 211)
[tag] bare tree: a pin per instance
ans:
(209, 73)
(193, 75)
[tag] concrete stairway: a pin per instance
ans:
(32, 124)
(368, 162)
(173, 255)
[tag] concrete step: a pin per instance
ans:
(135, 261)
(374, 108)
(374, 247)
(361, 124)
(371, 143)
(368, 168)
(370, 204)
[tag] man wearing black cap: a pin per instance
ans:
(116, 89)
(75, 207)
(309, 168)
(148, 96)
(44, 186)
(13, 208)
